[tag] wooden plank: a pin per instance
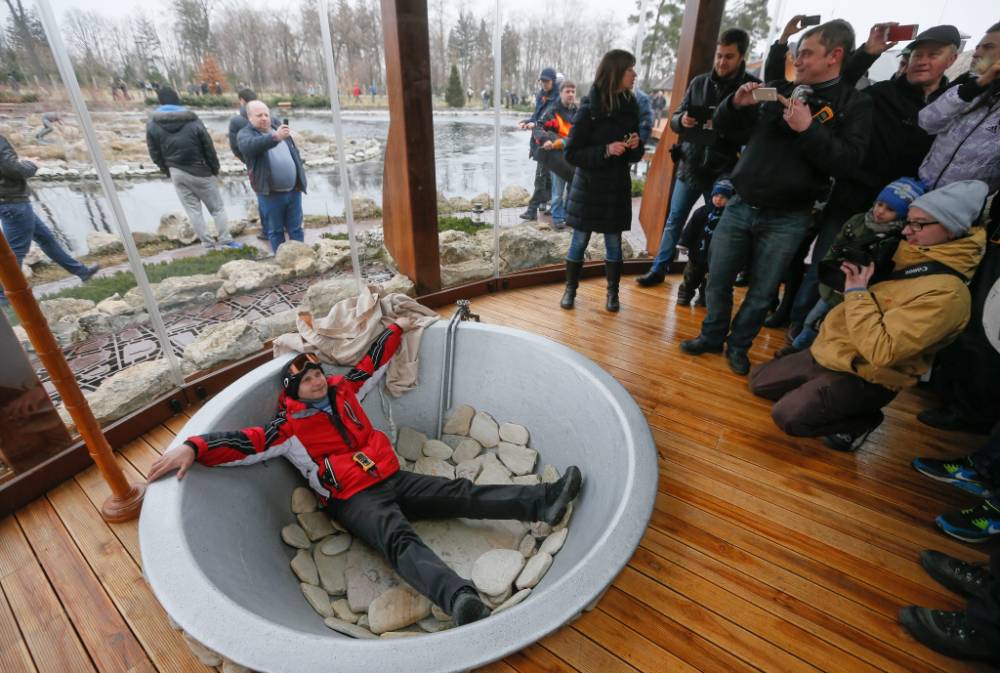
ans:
(97, 491)
(14, 554)
(103, 632)
(628, 644)
(537, 659)
(14, 655)
(583, 654)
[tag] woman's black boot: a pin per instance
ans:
(614, 273)
(573, 270)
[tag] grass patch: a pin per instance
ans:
(466, 224)
(638, 186)
(335, 237)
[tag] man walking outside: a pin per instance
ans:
(705, 154)
(550, 134)
(276, 173)
(236, 124)
(543, 189)
(180, 145)
(817, 128)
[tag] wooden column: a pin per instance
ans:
(699, 32)
(409, 188)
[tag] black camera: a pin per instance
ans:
(867, 247)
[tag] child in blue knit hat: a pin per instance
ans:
(696, 238)
(875, 233)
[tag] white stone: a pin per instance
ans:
(520, 460)
(527, 546)
(465, 272)
(316, 525)
(335, 544)
(514, 434)
(294, 536)
(434, 467)
(525, 247)
(410, 443)
(397, 608)
(348, 629)
(303, 500)
(130, 389)
(460, 420)
(493, 473)
(467, 449)
(321, 296)
(241, 276)
(271, 326)
(499, 599)
(297, 257)
(232, 667)
(434, 448)
(178, 291)
(332, 255)
(99, 243)
(485, 430)
(534, 570)
(433, 625)
(468, 469)
(225, 342)
(115, 305)
(368, 576)
(460, 542)
(176, 227)
(399, 284)
(305, 568)
(342, 610)
(553, 543)
(541, 529)
(513, 600)
(550, 474)
(364, 208)
(332, 571)
(565, 520)
(494, 571)
(318, 599)
(57, 309)
(205, 656)
(527, 480)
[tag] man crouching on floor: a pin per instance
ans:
(322, 429)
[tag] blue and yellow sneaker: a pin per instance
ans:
(958, 472)
(976, 524)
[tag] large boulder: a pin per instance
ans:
(177, 227)
(223, 343)
(99, 243)
(130, 389)
(457, 247)
(178, 291)
(271, 326)
(364, 208)
(595, 250)
(524, 247)
(35, 256)
(514, 196)
(483, 199)
(465, 272)
(55, 310)
(459, 204)
(332, 255)
(297, 257)
(399, 284)
(145, 237)
(324, 294)
(243, 275)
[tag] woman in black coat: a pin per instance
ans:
(603, 142)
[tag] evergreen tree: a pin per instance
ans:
(455, 94)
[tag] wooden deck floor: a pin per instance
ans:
(764, 552)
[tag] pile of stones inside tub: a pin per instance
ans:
(356, 592)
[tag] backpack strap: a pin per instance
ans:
(925, 269)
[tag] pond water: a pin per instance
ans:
(464, 160)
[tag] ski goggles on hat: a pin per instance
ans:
(302, 362)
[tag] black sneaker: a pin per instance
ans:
(976, 524)
(684, 295)
(947, 418)
(89, 272)
(845, 441)
(738, 361)
(467, 607)
(529, 215)
(948, 633)
(650, 278)
(698, 346)
(965, 579)
(559, 495)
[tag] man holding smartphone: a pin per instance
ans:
(705, 153)
(793, 147)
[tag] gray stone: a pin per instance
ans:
(94, 322)
(467, 449)
(468, 469)
(541, 529)
(458, 248)
(459, 420)
(303, 500)
(433, 625)
(241, 276)
(525, 247)
(294, 536)
(318, 599)
(465, 272)
(332, 255)
(397, 608)
(550, 474)
(363, 621)
(271, 326)
(99, 243)
(514, 434)
(342, 610)
(527, 480)
(176, 227)
(493, 473)
(178, 291)
(336, 544)
(553, 543)
(452, 440)
(316, 525)
(223, 342)
(130, 389)
(494, 571)
(305, 568)
(55, 310)
(485, 430)
(321, 296)
(297, 257)
(520, 460)
(348, 629)
(368, 576)
(410, 443)
(399, 284)
(434, 448)
(534, 570)
(527, 546)
(434, 467)
(460, 542)
(332, 571)
(514, 196)
(513, 600)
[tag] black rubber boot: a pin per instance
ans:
(614, 273)
(573, 270)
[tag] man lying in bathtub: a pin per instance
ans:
(322, 429)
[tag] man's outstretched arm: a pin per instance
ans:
(379, 354)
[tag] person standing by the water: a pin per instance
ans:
(236, 124)
(179, 144)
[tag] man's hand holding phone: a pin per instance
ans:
(744, 96)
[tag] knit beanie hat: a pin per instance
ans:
(168, 96)
(724, 187)
(956, 205)
(290, 382)
(899, 194)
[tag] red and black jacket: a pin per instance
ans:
(320, 444)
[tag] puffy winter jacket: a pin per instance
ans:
(14, 174)
(966, 121)
(320, 444)
(236, 124)
(176, 138)
(254, 147)
(888, 334)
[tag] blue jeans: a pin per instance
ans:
(808, 292)
(810, 328)
(581, 239)
(558, 210)
(21, 225)
(768, 240)
(681, 201)
(281, 212)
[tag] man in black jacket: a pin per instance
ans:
(550, 134)
(182, 148)
(817, 128)
(20, 223)
(238, 121)
(547, 94)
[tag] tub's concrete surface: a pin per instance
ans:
(212, 552)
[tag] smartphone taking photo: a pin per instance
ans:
(285, 121)
(765, 94)
(901, 33)
(811, 20)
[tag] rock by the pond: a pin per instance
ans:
(55, 310)
(303, 500)
(333, 255)
(335, 544)
(513, 600)
(459, 421)
(348, 629)
(468, 469)
(99, 242)
(485, 430)
(316, 525)
(527, 480)
(494, 571)
(176, 227)
(332, 571)
(318, 599)
(410, 443)
(397, 608)
(513, 433)
(223, 342)
(297, 257)
(553, 543)
(271, 326)
(305, 568)
(520, 460)
(527, 546)
(205, 656)
(467, 449)
(432, 624)
(368, 576)
(242, 276)
(132, 388)
(294, 536)
(178, 291)
(493, 473)
(514, 196)
(550, 474)
(342, 610)
(321, 296)
(434, 467)
(434, 448)
(534, 570)
(399, 284)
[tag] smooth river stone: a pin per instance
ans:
(342, 610)
(434, 467)
(452, 440)
(518, 459)
(550, 474)
(432, 624)
(460, 542)
(368, 575)
(554, 542)
(397, 608)
(565, 520)
(206, 656)
(389, 635)
(494, 601)
(303, 500)
(409, 443)
(493, 473)
(534, 570)
(527, 480)
(294, 536)
(305, 568)
(467, 449)
(513, 433)
(513, 600)
(459, 420)
(316, 525)
(436, 449)
(485, 430)
(468, 469)
(318, 599)
(332, 571)
(494, 571)
(335, 544)
(527, 546)
(348, 629)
